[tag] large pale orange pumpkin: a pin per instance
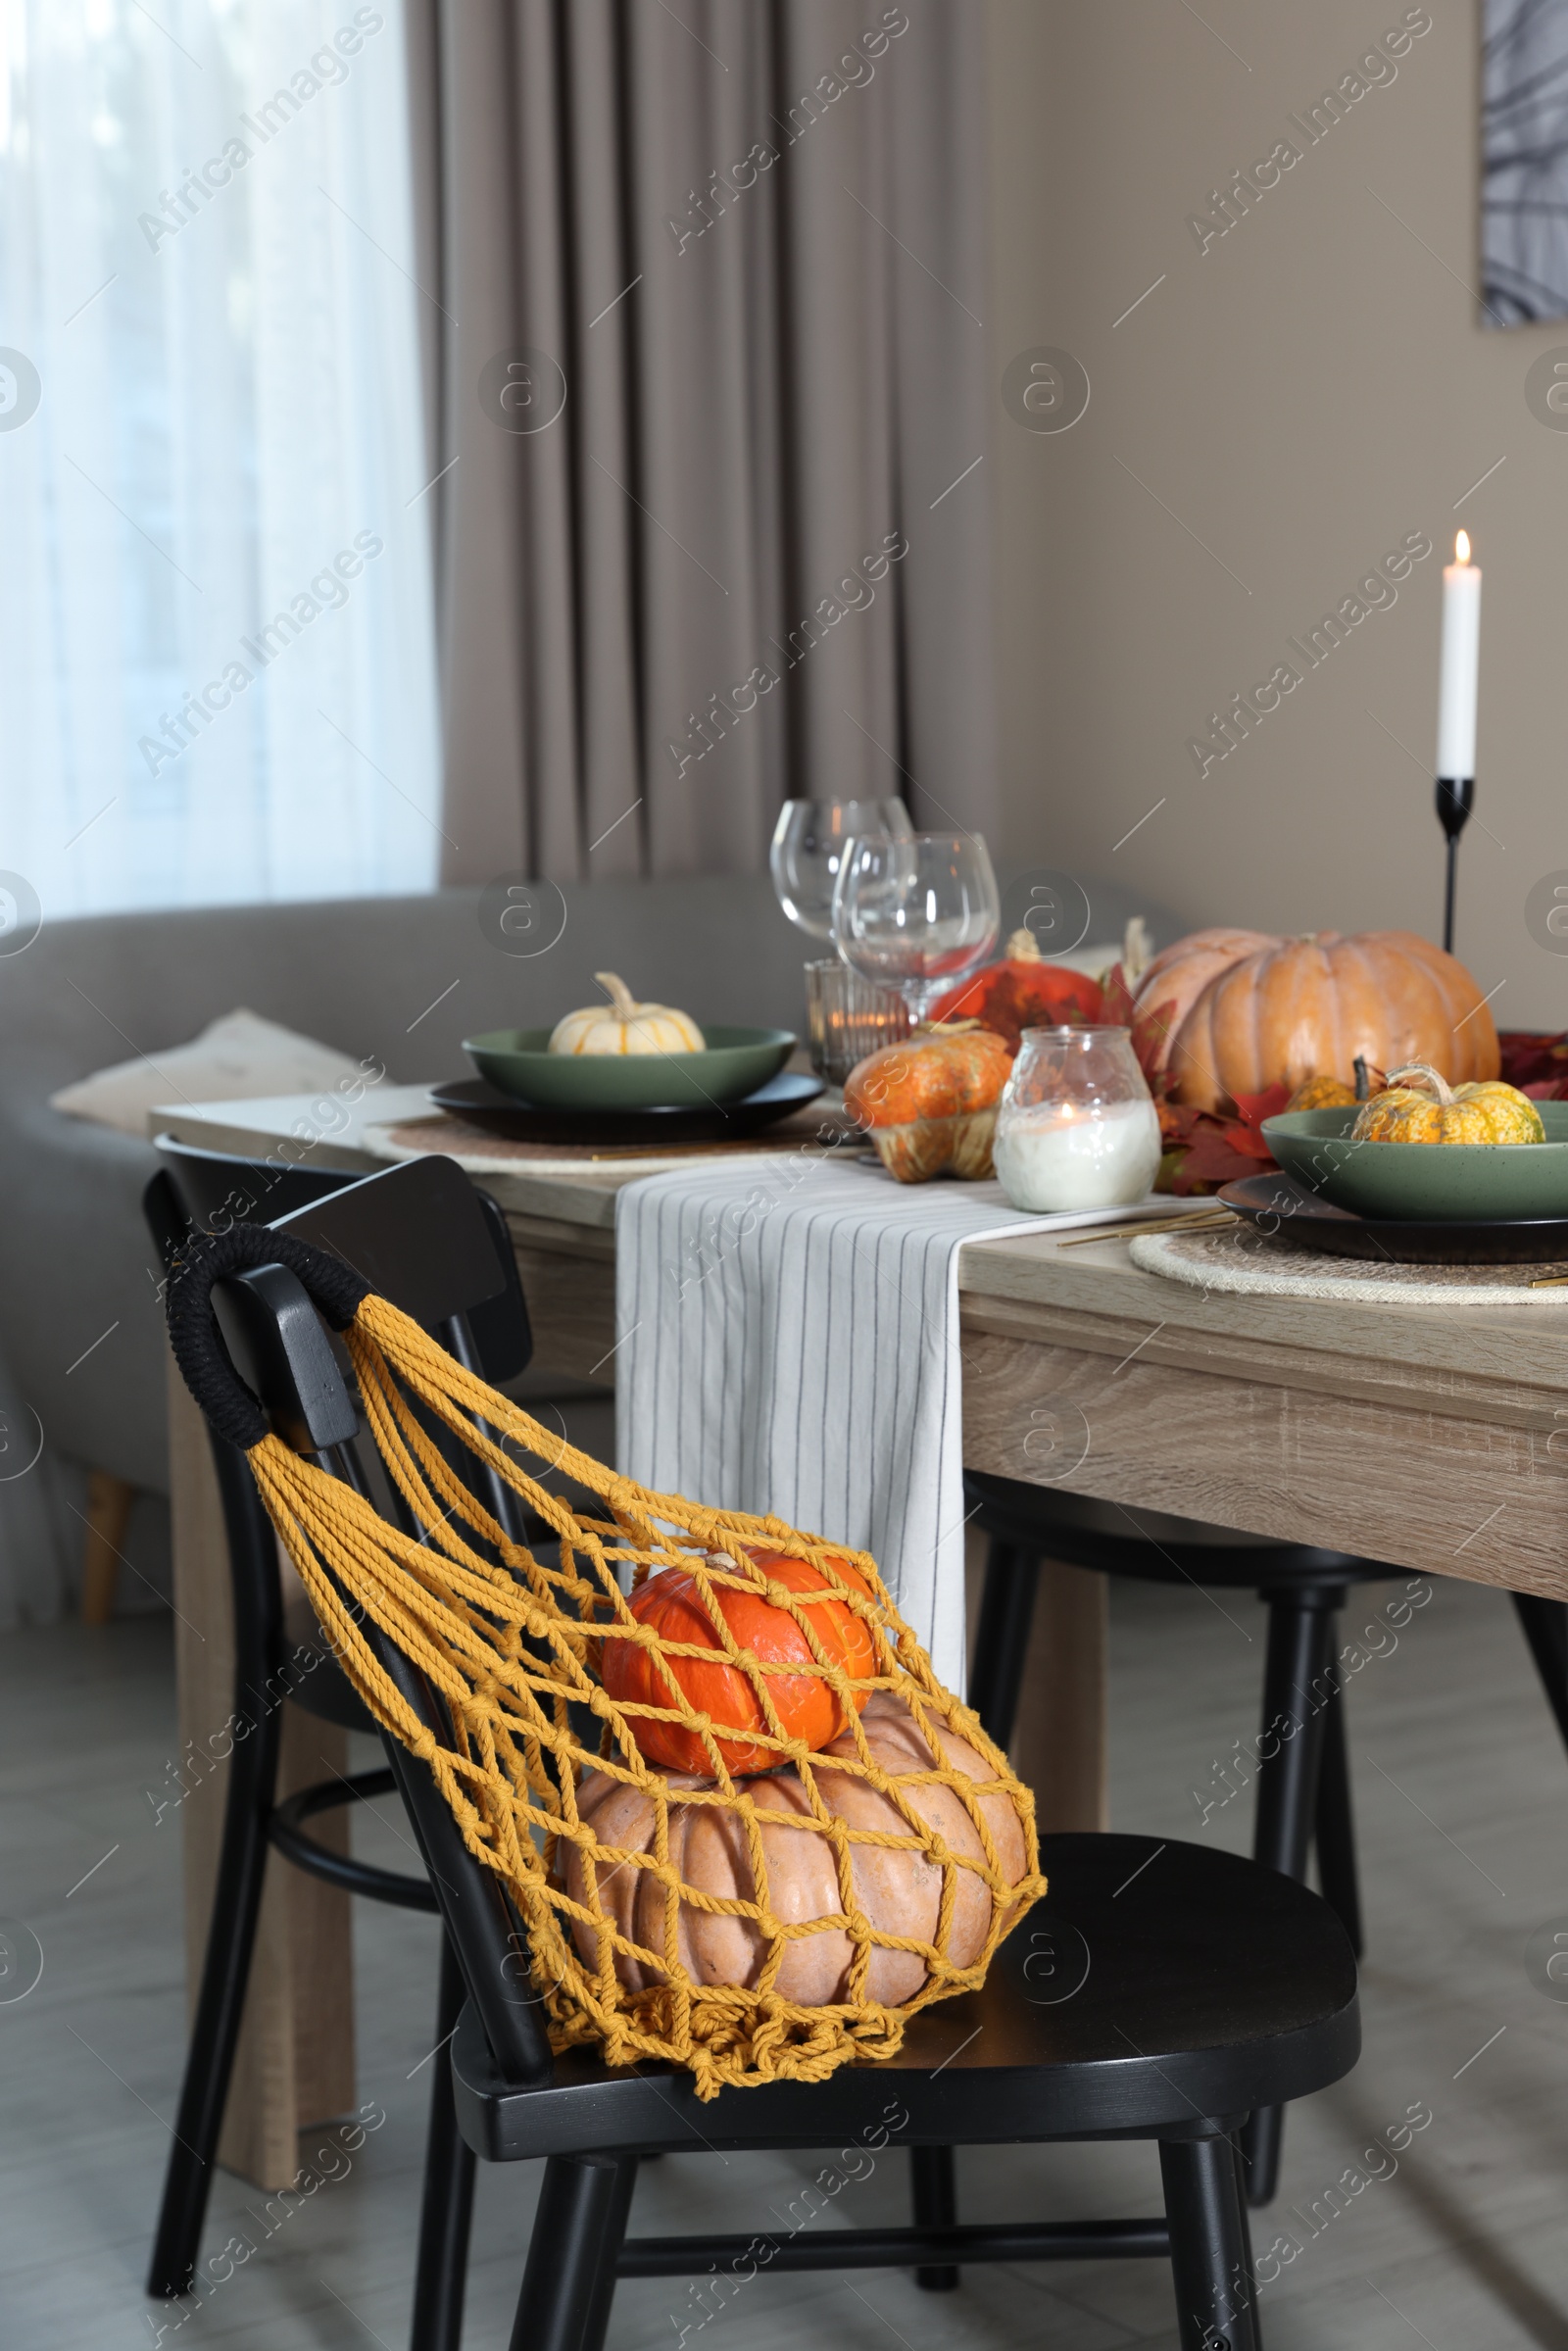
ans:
(1226, 1014)
(1177, 977)
(899, 1891)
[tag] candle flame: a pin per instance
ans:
(1462, 548)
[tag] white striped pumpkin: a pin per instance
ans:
(624, 1026)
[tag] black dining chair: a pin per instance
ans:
(1159, 1993)
(281, 1653)
(215, 1189)
(1304, 1798)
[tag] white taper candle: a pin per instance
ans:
(1461, 663)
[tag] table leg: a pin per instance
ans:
(109, 1501)
(295, 2063)
(1059, 1745)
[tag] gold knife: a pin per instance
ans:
(1202, 1220)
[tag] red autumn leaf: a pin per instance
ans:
(1203, 1150)
(1118, 998)
(1152, 1035)
(1530, 1061)
(1254, 1108)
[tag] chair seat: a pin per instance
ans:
(1154, 1984)
(1084, 1532)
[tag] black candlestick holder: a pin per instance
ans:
(1455, 800)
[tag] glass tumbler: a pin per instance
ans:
(847, 1018)
(1076, 1126)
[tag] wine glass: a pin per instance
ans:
(809, 845)
(916, 915)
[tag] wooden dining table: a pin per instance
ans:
(1323, 1421)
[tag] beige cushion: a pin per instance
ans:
(240, 1057)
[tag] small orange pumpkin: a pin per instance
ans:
(930, 1104)
(1024, 991)
(807, 1706)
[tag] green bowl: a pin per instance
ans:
(737, 1061)
(1469, 1182)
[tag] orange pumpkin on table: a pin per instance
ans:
(1024, 992)
(930, 1104)
(900, 1891)
(807, 1706)
(1226, 1014)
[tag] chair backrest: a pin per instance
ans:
(215, 1189)
(220, 1186)
(425, 1238)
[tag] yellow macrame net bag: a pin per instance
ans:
(512, 1642)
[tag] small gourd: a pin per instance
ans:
(624, 1026)
(1431, 1110)
(929, 1105)
(1322, 1094)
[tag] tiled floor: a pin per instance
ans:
(1462, 1793)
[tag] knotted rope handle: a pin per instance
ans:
(193, 1333)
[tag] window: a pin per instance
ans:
(216, 659)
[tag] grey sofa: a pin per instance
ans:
(361, 974)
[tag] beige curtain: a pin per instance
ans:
(748, 558)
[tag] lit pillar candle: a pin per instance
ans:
(1461, 663)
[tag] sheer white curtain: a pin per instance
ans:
(217, 666)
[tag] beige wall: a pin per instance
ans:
(1300, 396)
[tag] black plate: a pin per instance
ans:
(1278, 1206)
(485, 1105)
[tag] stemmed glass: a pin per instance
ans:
(916, 915)
(809, 845)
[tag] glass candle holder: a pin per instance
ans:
(1076, 1126)
(847, 1018)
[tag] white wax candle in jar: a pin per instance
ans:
(1075, 1125)
(1459, 674)
(1066, 1154)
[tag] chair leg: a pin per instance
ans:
(598, 2326)
(936, 2206)
(1006, 1611)
(1545, 1628)
(220, 2008)
(1210, 2246)
(1001, 1638)
(1334, 1825)
(1296, 1684)
(442, 2274)
(566, 2289)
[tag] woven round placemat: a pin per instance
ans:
(1240, 1261)
(481, 1152)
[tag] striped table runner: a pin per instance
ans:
(787, 1341)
